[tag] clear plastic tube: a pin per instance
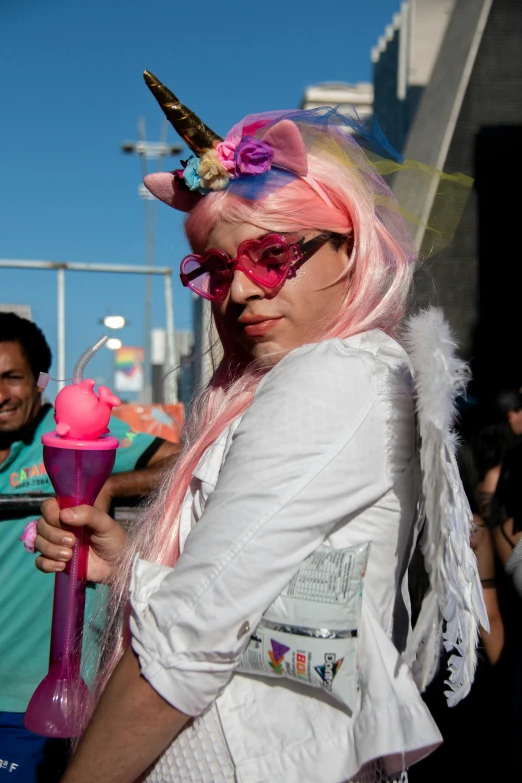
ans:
(86, 357)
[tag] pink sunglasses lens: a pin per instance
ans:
(267, 261)
(213, 279)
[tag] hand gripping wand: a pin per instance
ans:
(79, 457)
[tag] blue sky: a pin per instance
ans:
(72, 91)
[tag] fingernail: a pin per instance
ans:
(68, 514)
(69, 540)
(64, 554)
(59, 566)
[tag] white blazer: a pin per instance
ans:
(325, 454)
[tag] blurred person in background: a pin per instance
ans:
(497, 432)
(490, 444)
(27, 596)
(505, 520)
(496, 442)
(509, 402)
(506, 511)
(497, 457)
(506, 515)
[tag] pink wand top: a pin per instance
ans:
(81, 415)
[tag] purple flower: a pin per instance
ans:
(253, 156)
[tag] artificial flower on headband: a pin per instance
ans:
(226, 151)
(252, 156)
(190, 173)
(212, 173)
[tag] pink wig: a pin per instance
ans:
(332, 197)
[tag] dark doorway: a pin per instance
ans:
(497, 354)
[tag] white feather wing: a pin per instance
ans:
(455, 593)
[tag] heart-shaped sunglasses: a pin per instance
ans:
(268, 262)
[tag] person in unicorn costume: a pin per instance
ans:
(305, 438)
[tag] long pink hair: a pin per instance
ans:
(333, 198)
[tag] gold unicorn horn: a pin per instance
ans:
(195, 133)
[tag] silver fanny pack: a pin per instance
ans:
(309, 633)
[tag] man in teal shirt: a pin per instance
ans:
(27, 594)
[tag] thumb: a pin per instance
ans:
(97, 521)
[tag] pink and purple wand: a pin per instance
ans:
(79, 457)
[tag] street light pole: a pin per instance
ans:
(149, 150)
(60, 307)
(171, 390)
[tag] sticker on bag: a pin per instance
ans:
(309, 633)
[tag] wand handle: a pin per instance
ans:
(69, 606)
(61, 701)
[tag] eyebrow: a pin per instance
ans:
(12, 371)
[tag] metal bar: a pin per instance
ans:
(172, 361)
(74, 266)
(149, 249)
(19, 506)
(60, 312)
(61, 267)
(147, 367)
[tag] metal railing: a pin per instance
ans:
(23, 505)
(128, 269)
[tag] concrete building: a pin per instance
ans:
(403, 61)
(469, 119)
(347, 97)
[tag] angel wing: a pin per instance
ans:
(453, 607)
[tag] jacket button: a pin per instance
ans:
(245, 628)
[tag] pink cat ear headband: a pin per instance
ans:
(218, 162)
